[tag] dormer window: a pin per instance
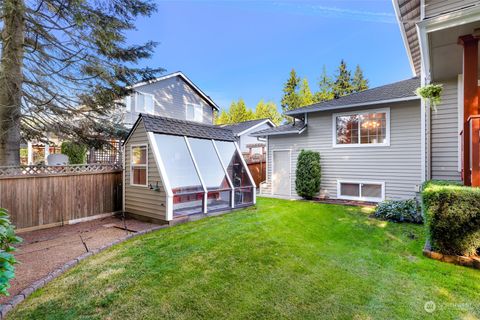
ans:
(194, 112)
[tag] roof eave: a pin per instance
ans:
(255, 126)
(297, 131)
(370, 103)
(398, 15)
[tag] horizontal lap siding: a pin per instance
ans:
(444, 135)
(398, 165)
(173, 94)
(436, 7)
(142, 200)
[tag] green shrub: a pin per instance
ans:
(76, 152)
(452, 213)
(7, 260)
(399, 211)
(308, 174)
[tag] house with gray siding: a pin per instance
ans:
(244, 130)
(173, 96)
(383, 143)
(369, 144)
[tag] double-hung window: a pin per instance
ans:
(138, 166)
(194, 112)
(366, 128)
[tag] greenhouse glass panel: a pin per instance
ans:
(212, 174)
(237, 172)
(209, 165)
(186, 186)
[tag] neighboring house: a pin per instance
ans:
(176, 168)
(172, 96)
(243, 131)
(383, 143)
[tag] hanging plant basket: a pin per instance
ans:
(432, 94)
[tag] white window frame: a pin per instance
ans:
(358, 113)
(360, 183)
(194, 106)
(132, 165)
(128, 103)
(145, 94)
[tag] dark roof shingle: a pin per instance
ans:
(393, 91)
(242, 126)
(178, 127)
(297, 127)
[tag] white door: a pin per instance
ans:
(281, 173)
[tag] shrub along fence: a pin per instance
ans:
(46, 196)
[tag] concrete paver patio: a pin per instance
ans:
(42, 251)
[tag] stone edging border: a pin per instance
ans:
(15, 300)
(458, 260)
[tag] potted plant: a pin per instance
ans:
(431, 93)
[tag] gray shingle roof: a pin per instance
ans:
(283, 129)
(395, 91)
(242, 126)
(177, 127)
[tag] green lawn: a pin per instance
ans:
(283, 259)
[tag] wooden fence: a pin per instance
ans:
(258, 171)
(40, 196)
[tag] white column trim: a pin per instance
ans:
(232, 193)
(248, 173)
(205, 195)
(163, 176)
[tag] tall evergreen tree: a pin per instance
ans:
(305, 94)
(325, 91)
(343, 81)
(239, 112)
(223, 118)
(268, 110)
(359, 83)
(58, 55)
(291, 99)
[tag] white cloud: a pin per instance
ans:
(337, 12)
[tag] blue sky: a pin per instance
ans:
(246, 49)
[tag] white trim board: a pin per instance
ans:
(398, 15)
(256, 126)
(248, 172)
(163, 176)
(289, 166)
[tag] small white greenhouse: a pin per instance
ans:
(175, 168)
